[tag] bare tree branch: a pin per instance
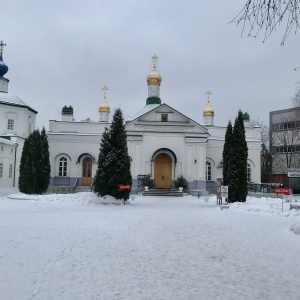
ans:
(267, 15)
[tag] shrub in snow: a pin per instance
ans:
(147, 181)
(180, 181)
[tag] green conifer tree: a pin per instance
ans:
(35, 165)
(238, 161)
(44, 179)
(226, 159)
(37, 159)
(27, 177)
(118, 159)
(100, 183)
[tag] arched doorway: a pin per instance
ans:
(163, 171)
(86, 178)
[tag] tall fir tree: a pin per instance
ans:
(100, 183)
(35, 165)
(238, 161)
(43, 181)
(27, 178)
(118, 160)
(226, 158)
(38, 157)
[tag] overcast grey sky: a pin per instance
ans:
(63, 52)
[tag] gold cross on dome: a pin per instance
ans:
(1, 47)
(105, 89)
(154, 58)
(208, 93)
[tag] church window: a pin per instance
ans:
(248, 172)
(11, 150)
(1, 147)
(10, 124)
(10, 171)
(63, 164)
(29, 124)
(208, 171)
(1, 170)
(164, 117)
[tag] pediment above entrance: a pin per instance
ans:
(167, 119)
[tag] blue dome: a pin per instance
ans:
(3, 67)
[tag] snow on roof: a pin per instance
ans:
(14, 100)
(8, 142)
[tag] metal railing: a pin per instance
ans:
(75, 184)
(263, 188)
(92, 182)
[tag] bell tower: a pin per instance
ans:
(3, 70)
(154, 81)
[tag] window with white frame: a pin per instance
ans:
(10, 124)
(248, 172)
(1, 170)
(10, 171)
(63, 167)
(208, 171)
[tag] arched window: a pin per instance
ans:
(248, 173)
(29, 124)
(208, 171)
(10, 171)
(1, 170)
(63, 166)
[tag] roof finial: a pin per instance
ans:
(208, 93)
(154, 58)
(1, 47)
(105, 89)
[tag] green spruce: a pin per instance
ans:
(100, 183)
(113, 161)
(118, 158)
(35, 165)
(226, 158)
(238, 161)
(43, 181)
(27, 179)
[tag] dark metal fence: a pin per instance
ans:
(263, 187)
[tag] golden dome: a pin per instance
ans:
(104, 107)
(154, 77)
(208, 111)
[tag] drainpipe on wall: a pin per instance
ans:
(17, 144)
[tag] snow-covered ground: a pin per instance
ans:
(71, 247)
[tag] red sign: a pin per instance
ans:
(285, 191)
(124, 187)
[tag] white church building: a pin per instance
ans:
(17, 121)
(161, 142)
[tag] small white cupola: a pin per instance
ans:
(67, 113)
(104, 108)
(208, 112)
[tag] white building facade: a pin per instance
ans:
(17, 121)
(161, 142)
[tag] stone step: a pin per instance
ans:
(163, 193)
(82, 188)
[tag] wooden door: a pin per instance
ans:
(86, 178)
(163, 171)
